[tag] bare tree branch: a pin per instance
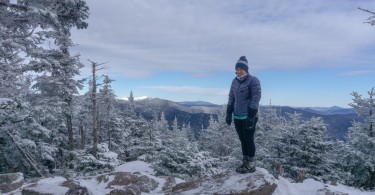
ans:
(371, 19)
(98, 64)
(368, 11)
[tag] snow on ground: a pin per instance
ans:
(94, 187)
(136, 166)
(233, 182)
(284, 186)
(312, 187)
(19, 178)
(47, 186)
(145, 169)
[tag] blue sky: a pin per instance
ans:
(305, 53)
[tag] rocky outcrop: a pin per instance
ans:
(10, 182)
(74, 188)
(144, 182)
(259, 183)
(128, 182)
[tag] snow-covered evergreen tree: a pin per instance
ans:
(22, 51)
(106, 99)
(221, 141)
(303, 147)
(298, 145)
(219, 138)
(57, 66)
(270, 129)
(359, 159)
(179, 157)
(142, 136)
(190, 132)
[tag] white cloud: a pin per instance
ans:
(141, 37)
(191, 90)
(357, 72)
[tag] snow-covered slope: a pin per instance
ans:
(312, 187)
(138, 177)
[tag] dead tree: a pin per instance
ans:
(94, 68)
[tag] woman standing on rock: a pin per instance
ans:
(243, 103)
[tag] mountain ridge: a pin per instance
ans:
(195, 113)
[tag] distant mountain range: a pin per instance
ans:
(198, 113)
(197, 103)
(337, 119)
(148, 107)
(328, 110)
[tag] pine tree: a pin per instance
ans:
(221, 142)
(22, 51)
(114, 131)
(359, 160)
(131, 102)
(219, 138)
(299, 146)
(189, 132)
(107, 99)
(58, 66)
(269, 134)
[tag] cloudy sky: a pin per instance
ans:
(305, 53)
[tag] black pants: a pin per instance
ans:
(246, 136)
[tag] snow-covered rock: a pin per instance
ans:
(138, 177)
(10, 182)
(130, 178)
(259, 183)
(51, 185)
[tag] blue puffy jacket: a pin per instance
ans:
(244, 95)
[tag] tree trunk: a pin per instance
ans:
(109, 139)
(69, 125)
(371, 133)
(109, 125)
(94, 112)
(83, 137)
(67, 97)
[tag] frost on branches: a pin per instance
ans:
(359, 160)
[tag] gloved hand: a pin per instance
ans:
(228, 119)
(251, 123)
(251, 113)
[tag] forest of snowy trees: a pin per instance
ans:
(47, 128)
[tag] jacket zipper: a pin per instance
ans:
(238, 92)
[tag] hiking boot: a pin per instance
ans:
(246, 167)
(241, 166)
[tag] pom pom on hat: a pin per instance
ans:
(242, 63)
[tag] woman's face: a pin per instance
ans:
(240, 72)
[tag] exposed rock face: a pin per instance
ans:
(169, 183)
(75, 188)
(258, 183)
(33, 192)
(10, 182)
(132, 183)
